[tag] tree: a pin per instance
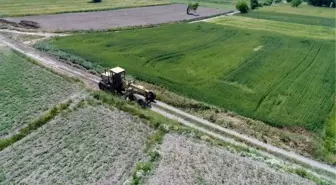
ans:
(254, 4)
(296, 3)
(192, 7)
(242, 7)
(327, 3)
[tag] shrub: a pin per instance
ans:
(327, 3)
(301, 172)
(296, 3)
(254, 4)
(288, 1)
(242, 7)
(277, 1)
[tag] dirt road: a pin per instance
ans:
(118, 18)
(164, 109)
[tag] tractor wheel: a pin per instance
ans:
(102, 86)
(150, 96)
(188, 10)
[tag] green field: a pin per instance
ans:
(292, 18)
(301, 10)
(27, 90)
(290, 29)
(223, 4)
(282, 80)
(34, 7)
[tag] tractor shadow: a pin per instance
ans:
(193, 14)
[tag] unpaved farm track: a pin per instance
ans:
(162, 108)
(119, 18)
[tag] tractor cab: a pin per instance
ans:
(113, 79)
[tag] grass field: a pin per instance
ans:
(27, 90)
(292, 18)
(301, 10)
(222, 4)
(187, 161)
(34, 7)
(90, 145)
(290, 29)
(255, 73)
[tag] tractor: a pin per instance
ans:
(114, 80)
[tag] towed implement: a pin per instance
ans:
(114, 80)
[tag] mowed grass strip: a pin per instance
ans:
(36, 7)
(301, 10)
(27, 90)
(291, 18)
(290, 29)
(285, 81)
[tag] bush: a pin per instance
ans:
(242, 7)
(254, 4)
(301, 172)
(277, 1)
(96, 1)
(288, 1)
(296, 3)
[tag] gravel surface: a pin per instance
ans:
(118, 18)
(92, 145)
(187, 161)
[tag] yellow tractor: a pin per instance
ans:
(114, 80)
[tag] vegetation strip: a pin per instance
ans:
(34, 125)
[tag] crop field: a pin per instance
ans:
(187, 161)
(301, 10)
(89, 145)
(282, 80)
(27, 90)
(286, 28)
(35, 7)
(292, 18)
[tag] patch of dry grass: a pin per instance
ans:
(89, 145)
(187, 161)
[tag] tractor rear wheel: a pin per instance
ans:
(102, 85)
